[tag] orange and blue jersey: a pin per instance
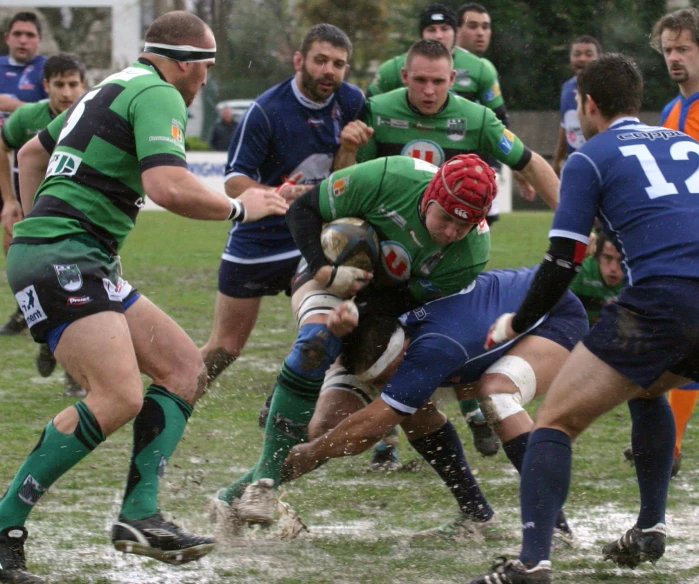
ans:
(682, 114)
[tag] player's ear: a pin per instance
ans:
(452, 76)
(404, 75)
(298, 61)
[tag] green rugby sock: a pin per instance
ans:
(469, 408)
(156, 431)
(54, 454)
(291, 409)
(236, 488)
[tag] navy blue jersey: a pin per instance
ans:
(569, 116)
(447, 335)
(22, 81)
(282, 133)
(643, 184)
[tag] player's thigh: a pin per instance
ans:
(164, 351)
(333, 406)
(585, 388)
(234, 319)
(97, 350)
(533, 355)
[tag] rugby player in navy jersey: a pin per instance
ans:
(431, 347)
(641, 183)
(289, 134)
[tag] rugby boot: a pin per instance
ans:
(72, 388)
(257, 503)
(384, 458)
(506, 571)
(463, 528)
(45, 361)
(156, 538)
(637, 546)
(484, 439)
(13, 565)
(14, 325)
(228, 528)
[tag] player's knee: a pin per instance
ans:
(508, 385)
(314, 350)
(186, 375)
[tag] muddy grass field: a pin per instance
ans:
(360, 523)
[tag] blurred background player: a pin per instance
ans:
(222, 132)
(583, 50)
(64, 82)
(289, 134)
(21, 73)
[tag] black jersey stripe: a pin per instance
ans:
(50, 206)
(46, 140)
(161, 160)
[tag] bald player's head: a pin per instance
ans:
(177, 28)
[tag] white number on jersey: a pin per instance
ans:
(659, 186)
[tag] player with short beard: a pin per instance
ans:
(289, 135)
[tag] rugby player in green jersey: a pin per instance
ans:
(64, 82)
(121, 140)
(474, 78)
(435, 241)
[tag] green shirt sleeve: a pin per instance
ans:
(370, 150)
(12, 130)
(498, 141)
(159, 118)
(490, 94)
(351, 191)
(388, 76)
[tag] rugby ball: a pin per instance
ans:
(350, 241)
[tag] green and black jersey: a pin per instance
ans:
(387, 193)
(25, 123)
(133, 121)
(476, 79)
(592, 290)
(460, 127)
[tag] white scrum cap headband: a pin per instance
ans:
(184, 53)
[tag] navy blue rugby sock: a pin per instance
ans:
(653, 445)
(443, 450)
(543, 490)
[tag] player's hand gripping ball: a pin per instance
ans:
(350, 242)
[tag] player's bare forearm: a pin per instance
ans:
(33, 159)
(541, 176)
(9, 104)
(344, 158)
(237, 185)
(6, 175)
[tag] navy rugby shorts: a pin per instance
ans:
(653, 327)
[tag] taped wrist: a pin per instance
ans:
(237, 211)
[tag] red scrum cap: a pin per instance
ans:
(464, 186)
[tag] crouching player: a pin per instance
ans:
(436, 241)
(438, 344)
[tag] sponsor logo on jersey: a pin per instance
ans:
(340, 186)
(63, 164)
(69, 277)
(140, 202)
(178, 143)
(429, 288)
(426, 150)
(456, 129)
(395, 261)
(31, 490)
(463, 77)
(423, 126)
(28, 302)
(493, 92)
(659, 134)
(397, 218)
(314, 122)
(176, 133)
(78, 300)
(507, 141)
(420, 313)
(25, 83)
(430, 262)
